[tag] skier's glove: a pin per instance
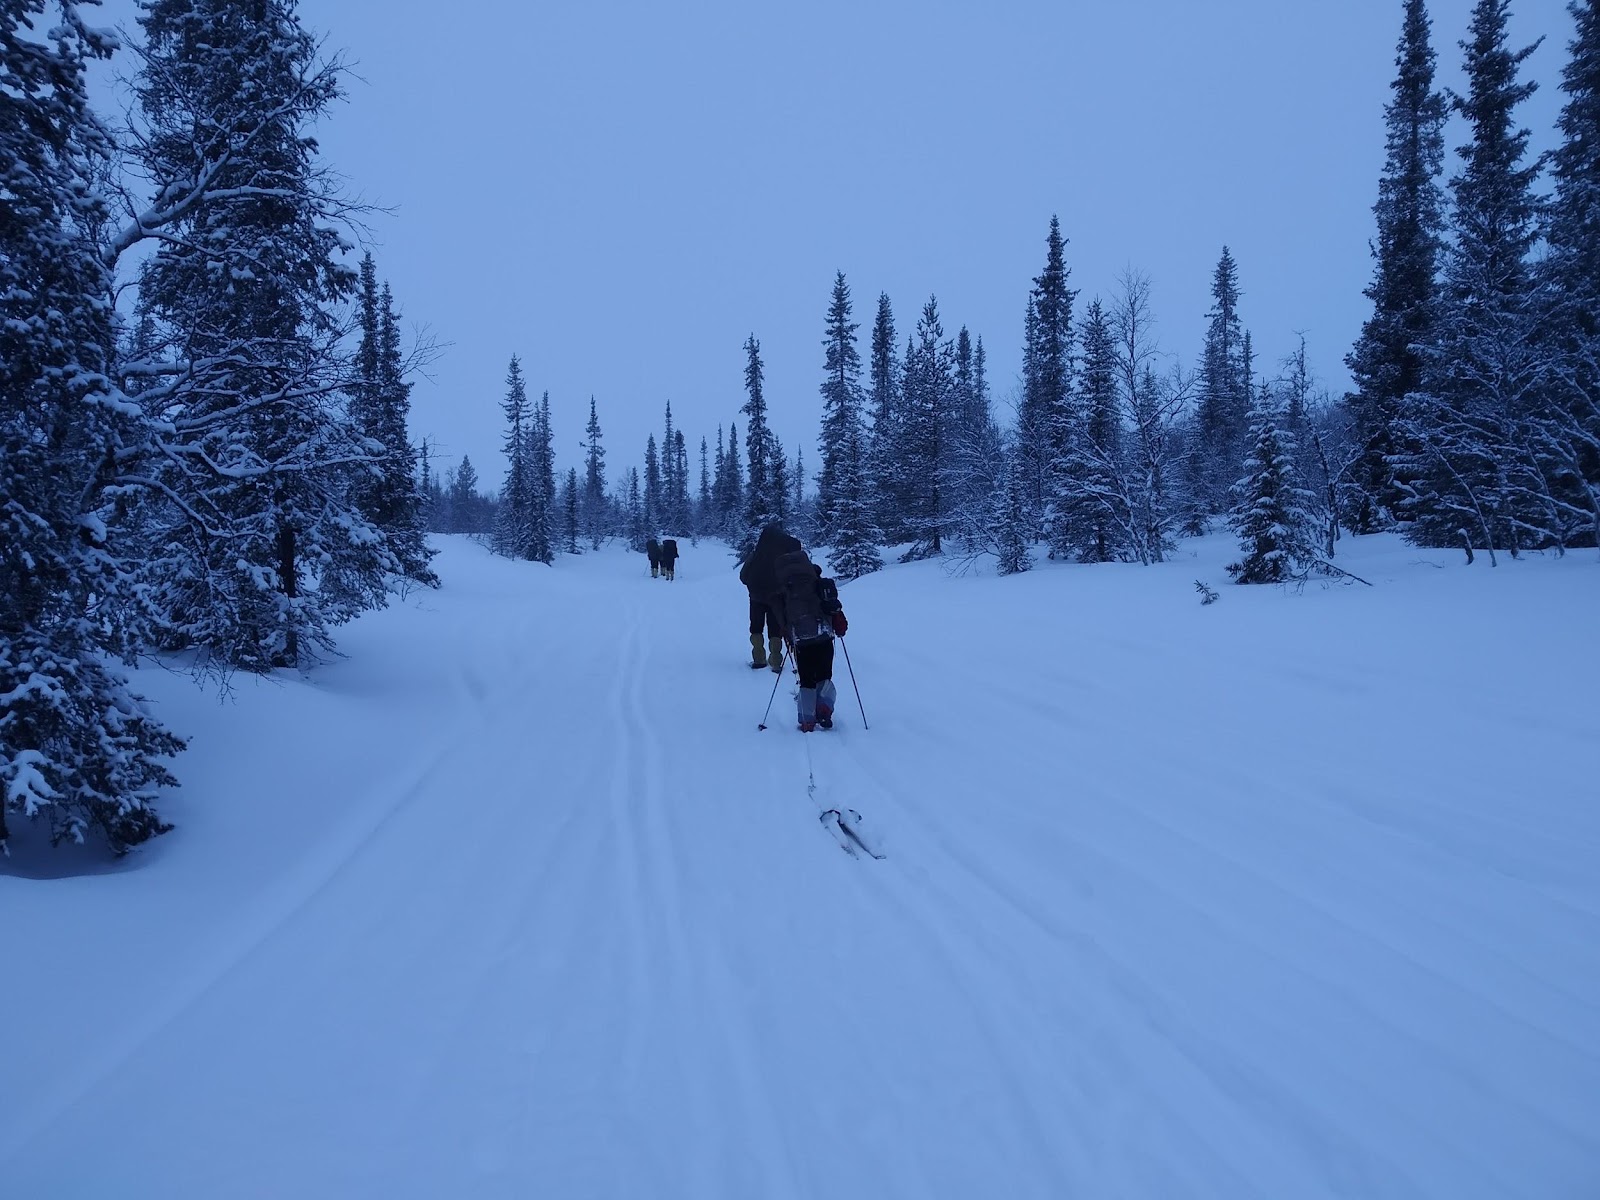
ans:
(839, 623)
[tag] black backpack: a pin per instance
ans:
(802, 598)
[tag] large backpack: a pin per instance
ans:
(802, 598)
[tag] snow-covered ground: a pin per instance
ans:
(1290, 896)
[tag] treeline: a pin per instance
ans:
(225, 473)
(1475, 420)
(538, 513)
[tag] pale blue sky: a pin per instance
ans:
(621, 192)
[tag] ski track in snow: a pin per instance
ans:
(579, 932)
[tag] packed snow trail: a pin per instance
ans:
(1273, 898)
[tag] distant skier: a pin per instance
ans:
(653, 549)
(760, 578)
(811, 616)
(669, 557)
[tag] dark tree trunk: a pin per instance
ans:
(289, 584)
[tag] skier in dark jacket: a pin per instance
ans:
(653, 549)
(811, 617)
(760, 578)
(669, 556)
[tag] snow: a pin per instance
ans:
(1290, 895)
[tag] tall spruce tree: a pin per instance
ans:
(1469, 473)
(78, 750)
(1222, 417)
(716, 519)
(885, 480)
(682, 515)
(779, 487)
(243, 285)
(800, 514)
(653, 505)
(669, 475)
(733, 497)
(971, 493)
(464, 501)
(1049, 418)
(1570, 419)
(513, 535)
(398, 505)
(841, 404)
(594, 480)
(1387, 362)
(571, 502)
(1013, 529)
(1099, 516)
(633, 508)
(704, 502)
(928, 387)
(760, 504)
(541, 467)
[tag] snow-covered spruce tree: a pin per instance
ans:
(974, 449)
(681, 510)
(1218, 436)
(1387, 362)
(1042, 421)
(669, 471)
(594, 481)
(703, 505)
(841, 403)
(1273, 514)
(432, 490)
(652, 486)
(714, 518)
(463, 499)
(513, 535)
(760, 504)
(802, 516)
(844, 508)
(571, 500)
(1054, 425)
(928, 387)
(385, 490)
(855, 539)
(1012, 527)
(541, 467)
(78, 750)
(1467, 467)
(1099, 515)
(259, 549)
(732, 504)
(399, 506)
(633, 510)
(1569, 421)
(779, 487)
(885, 478)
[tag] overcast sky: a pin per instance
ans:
(621, 193)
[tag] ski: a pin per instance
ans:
(844, 824)
(830, 822)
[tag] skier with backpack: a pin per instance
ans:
(760, 578)
(669, 557)
(811, 616)
(652, 549)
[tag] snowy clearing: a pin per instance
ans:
(1294, 895)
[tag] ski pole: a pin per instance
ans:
(770, 698)
(853, 683)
